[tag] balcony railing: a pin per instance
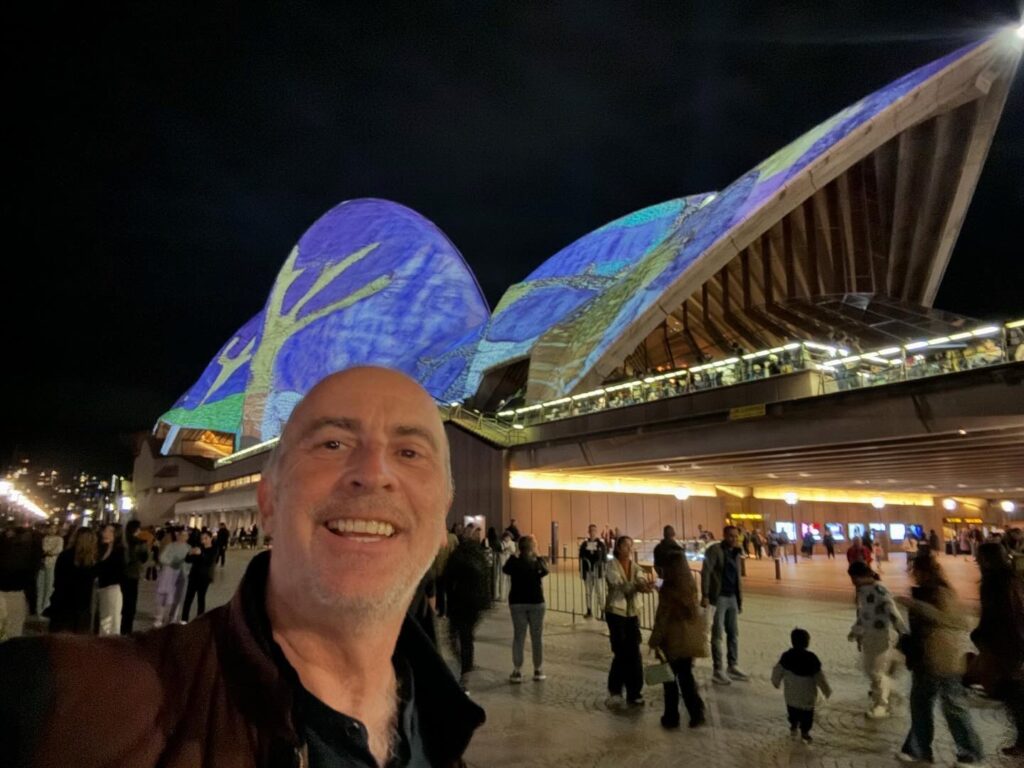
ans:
(839, 369)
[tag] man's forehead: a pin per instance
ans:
(356, 396)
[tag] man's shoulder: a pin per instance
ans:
(93, 697)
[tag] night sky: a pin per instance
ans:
(161, 163)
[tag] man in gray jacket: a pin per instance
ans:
(720, 586)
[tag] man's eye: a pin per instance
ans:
(409, 453)
(332, 445)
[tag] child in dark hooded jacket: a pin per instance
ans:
(800, 671)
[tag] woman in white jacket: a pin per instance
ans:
(625, 579)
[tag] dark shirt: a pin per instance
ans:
(202, 565)
(110, 570)
(525, 580)
(336, 740)
(731, 573)
(593, 557)
(663, 552)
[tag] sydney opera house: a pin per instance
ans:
(767, 353)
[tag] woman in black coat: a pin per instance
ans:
(203, 559)
(74, 576)
(467, 575)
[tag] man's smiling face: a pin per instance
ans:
(356, 494)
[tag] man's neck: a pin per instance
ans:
(345, 663)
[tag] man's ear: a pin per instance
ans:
(265, 503)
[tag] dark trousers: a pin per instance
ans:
(195, 589)
(831, 551)
(627, 668)
(130, 601)
(801, 718)
(685, 683)
(460, 636)
(222, 554)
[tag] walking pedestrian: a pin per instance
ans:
(830, 545)
(799, 672)
(467, 577)
(667, 548)
(202, 561)
(857, 551)
(758, 541)
(109, 574)
(593, 559)
(136, 557)
(18, 567)
(877, 619)
(506, 548)
(680, 637)
(223, 539)
(53, 545)
(526, 604)
(937, 629)
(720, 584)
(74, 580)
(1000, 636)
(625, 580)
(170, 584)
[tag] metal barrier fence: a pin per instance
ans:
(565, 592)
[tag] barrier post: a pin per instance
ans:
(778, 570)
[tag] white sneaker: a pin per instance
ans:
(878, 713)
(720, 678)
(515, 677)
(738, 674)
(538, 675)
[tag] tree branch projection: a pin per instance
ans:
(228, 365)
(279, 326)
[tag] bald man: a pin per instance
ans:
(313, 662)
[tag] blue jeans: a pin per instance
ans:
(924, 690)
(726, 617)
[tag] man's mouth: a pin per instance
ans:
(361, 529)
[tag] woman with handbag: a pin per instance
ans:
(679, 637)
(1000, 637)
(624, 580)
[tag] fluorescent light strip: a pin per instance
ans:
(252, 449)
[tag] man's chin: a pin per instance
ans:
(361, 600)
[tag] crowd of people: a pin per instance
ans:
(922, 631)
(85, 579)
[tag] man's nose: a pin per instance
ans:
(369, 468)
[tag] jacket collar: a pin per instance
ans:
(263, 683)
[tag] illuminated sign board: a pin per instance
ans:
(963, 520)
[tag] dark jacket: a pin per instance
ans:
(713, 571)
(209, 693)
(71, 603)
(665, 549)
(202, 565)
(110, 570)
(525, 580)
(136, 557)
(468, 577)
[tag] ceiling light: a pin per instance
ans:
(949, 504)
(878, 502)
(790, 498)
(1008, 506)
(682, 493)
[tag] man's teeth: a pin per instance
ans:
(368, 527)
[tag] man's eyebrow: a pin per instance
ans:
(410, 430)
(339, 422)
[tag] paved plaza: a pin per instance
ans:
(564, 721)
